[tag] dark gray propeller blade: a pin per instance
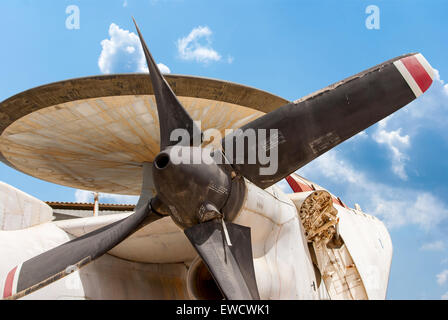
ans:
(56, 263)
(172, 114)
(317, 123)
(232, 266)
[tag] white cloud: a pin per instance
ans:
(427, 211)
(428, 111)
(442, 277)
(190, 48)
(334, 168)
(362, 134)
(122, 52)
(163, 68)
(87, 197)
(125, 3)
(433, 246)
(395, 143)
(395, 206)
(445, 296)
(83, 196)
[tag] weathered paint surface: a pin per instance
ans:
(100, 144)
(360, 268)
(110, 278)
(282, 260)
(19, 210)
(94, 133)
(159, 242)
(370, 247)
(105, 278)
(153, 262)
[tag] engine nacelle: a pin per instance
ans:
(200, 282)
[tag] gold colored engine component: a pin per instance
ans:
(318, 215)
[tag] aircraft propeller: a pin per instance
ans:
(202, 198)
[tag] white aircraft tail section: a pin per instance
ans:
(19, 210)
(370, 246)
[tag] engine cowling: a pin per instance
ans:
(200, 282)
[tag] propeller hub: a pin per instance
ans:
(191, 184)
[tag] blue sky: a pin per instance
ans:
(396, 170)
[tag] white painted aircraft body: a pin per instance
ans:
(158, 262)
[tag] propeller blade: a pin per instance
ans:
(56, 263)
(172, 114)
(232, 266)
(311, 126)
